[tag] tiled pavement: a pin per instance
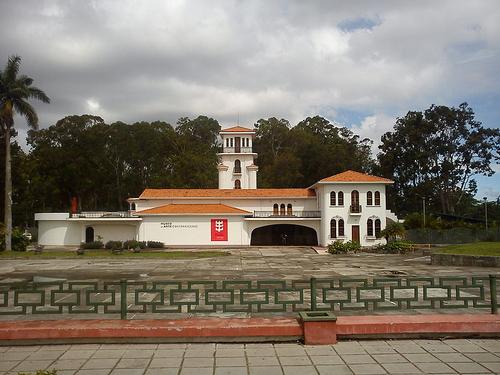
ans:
(473, 356)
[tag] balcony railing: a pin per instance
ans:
(102, 215)
(293, 214)
(236, 170)
(242, 150)
(355, 209)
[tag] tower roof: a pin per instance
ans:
(237, 129)
(355, 177)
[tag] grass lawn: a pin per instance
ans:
(166, 254)
(476, 248)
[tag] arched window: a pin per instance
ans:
(369, 198)
(227, 142)
(333, 228)
(132, 207)
(276, 209)
(89, 234)
(369, 227)
(237, 184)
(289, 209)
(231, 141)
(341, 228)
(333, 201)
(377, 228)
(341, 198)
(377, 198)
(237, 166)
(282, 209)
(355, 202)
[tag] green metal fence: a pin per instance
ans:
(249, 296)
(453, 235)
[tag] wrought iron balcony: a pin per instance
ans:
(293, 214)
(237, 170)
(355, 209)
(103, 215)
(242, 150)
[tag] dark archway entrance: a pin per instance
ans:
(284, 235)
(89, 234)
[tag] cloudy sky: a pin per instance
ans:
(359, 63)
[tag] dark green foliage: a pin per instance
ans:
(133, 244)
(155, 245)
(19, 241)
(393, 231)
(114, 245)
(395, 247)
(92, 245)
(339, 247)
(40, 372)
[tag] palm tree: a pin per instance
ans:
(14, 92)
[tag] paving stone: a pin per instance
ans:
(349, 347)
(127, 371)
(452, 357)
(166, 362)
(85, 346)
(77, 354)
(230, 362)
(68, 364)
(197, 371)
(333, 359)
(290, 351)
(366, 369)
(421, 358)
(470, 348)
(401, 368)
(29, 348)
(265, 370)
(171, 346)
(66, 372)
(109, 353)
(263, 361)
(269, 352)
(134, 363)
(139, 353)
(27, 366)
(439, 348)
(198, 362)
(94, 372)
(172, 353)
(230, 346)
(334, 370)
(389, 358)
(320, 350)
(202, 346)
(408, 349)
(8, 365)
(488, 344)
(236, 352)
(101, 363)
(259, 346)
(493, 366)
(143, 346)
(469, 368)
(435, 368)
(483, 357)
(357, 358)
(299, 370)
(231, 371)
(294, 361)
(199, 353)
(17, 356)
(162, 371)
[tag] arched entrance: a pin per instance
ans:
(89, 234)
(284, 235)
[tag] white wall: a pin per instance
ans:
(191, 230)
(59, 233)
(227, 178)
(111, 231)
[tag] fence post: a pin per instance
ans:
(313, 293)
(493, 294)
(123, 299)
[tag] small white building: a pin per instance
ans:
(346, 206)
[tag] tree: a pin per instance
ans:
(393, 230)
(15, 91)
(435, 154)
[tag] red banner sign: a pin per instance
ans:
(219, 229)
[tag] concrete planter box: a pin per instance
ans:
(465, 260)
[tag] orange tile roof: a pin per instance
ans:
(226, 193)
(353, 176)
(237, 129)
(186, 209)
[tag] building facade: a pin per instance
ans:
(347, 206)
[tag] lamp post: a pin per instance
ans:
(423, 205)
(486, 212)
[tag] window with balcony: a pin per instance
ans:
(333, 228)
(237, 184)
(340, 197)
(369, 198)
(377, 198)
(333, 201)
(237, 166)
(355, 207)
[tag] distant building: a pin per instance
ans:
(346, 206)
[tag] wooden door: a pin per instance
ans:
(355, 233)
(237, 144)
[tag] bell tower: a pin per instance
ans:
(236, 161)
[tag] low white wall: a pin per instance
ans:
(190, 230)
(59, 233)
(111, 231)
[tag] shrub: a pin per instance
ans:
(19, 240)
(339, 247)
(92, 245)
(40, 372)
(155, 245)
(393, 230)
(396, 247)
(114, 245)
(132, 244)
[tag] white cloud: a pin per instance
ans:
(374, 127)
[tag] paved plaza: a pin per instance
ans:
(348, 357)
(264, 263)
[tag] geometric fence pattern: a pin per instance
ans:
(249, 296)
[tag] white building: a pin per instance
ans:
(346, 206)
